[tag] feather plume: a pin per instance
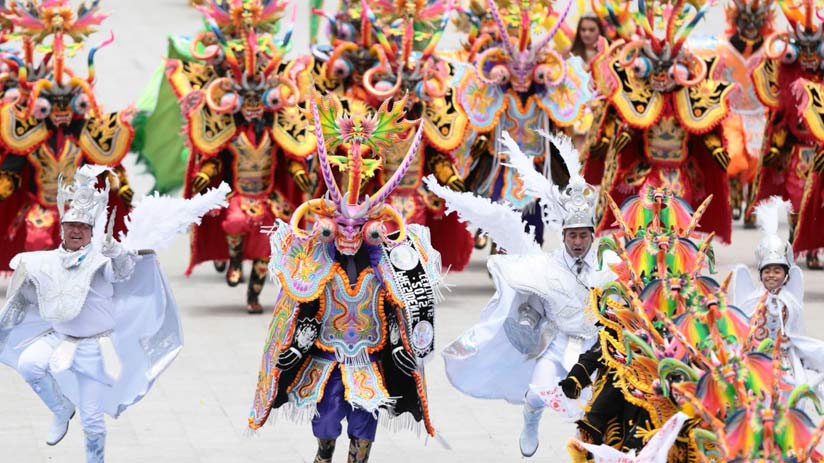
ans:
(535, 183)
(566, 147)
(769, 213)
(156, 219)
(499, 221)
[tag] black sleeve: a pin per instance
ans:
(13, 163)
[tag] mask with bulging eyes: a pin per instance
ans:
(748, 24)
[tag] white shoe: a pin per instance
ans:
(59, 428)
(529, 436)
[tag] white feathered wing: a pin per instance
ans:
(156, 219)
(504, 225)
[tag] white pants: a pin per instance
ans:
(549, 368)
(34, 364)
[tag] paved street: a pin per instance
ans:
(197, 411)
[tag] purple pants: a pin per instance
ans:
(333, 408)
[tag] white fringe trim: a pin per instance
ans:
(389, 421)
(360, 358)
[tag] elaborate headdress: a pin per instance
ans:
(250, 82)
(569, 207)
(521, 61)
(81, 201)
(756, 14)
(802, 41)
(662, 58)
(407, 35)
(345, 216)
(772, 249)
(36, 21)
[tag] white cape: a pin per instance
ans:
(483, 363)
(147, 335)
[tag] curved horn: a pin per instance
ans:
(395, 216)
(86, 87)
(381, 195)
(339, 50)
(328, 177)
(209, 53)
(668, 366)
(301, 211)
(382, 66)
(219, 84)
(499, 73)
(768, 44)
(35, 92)
(624, 57)
(700, 74)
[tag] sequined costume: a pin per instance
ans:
(383, 50)
(662, 122)
(353, 319)
(737, 51)
(242, 106)
(788, 82)
(518, 84)
(51, 124)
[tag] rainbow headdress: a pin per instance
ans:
(675, 344)
(344, 215)
(34, 22)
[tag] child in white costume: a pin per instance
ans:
(535, 326)
(92, 324)
(775, 302)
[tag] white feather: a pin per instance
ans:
(155, 220)
(566, 148)
(503, 224)
(770, 212)
(535, 184)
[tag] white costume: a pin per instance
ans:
(781, 313)
(537, 323)
(94, 328)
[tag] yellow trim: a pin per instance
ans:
(697, 119)
(20, 138)
(765, 83)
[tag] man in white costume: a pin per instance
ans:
(90, 325)
(775, 302)
(537, 323)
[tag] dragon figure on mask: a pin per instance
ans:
(51, 123)
(353, 319)
(662, 121)
(737, 51)
(241, 102)
(516, 83)
(788, 81)
(386, 49)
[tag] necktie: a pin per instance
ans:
(579, 265)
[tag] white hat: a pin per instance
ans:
(772, 250)
(578, 201)
(81, 201)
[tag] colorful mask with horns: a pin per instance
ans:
(407, 33)
(519, 61)
(803, 42)
(50, 89)
(242, 47)
(344, 215)
(663, 61)
(751, 19)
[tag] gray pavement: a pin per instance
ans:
(198, 408)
